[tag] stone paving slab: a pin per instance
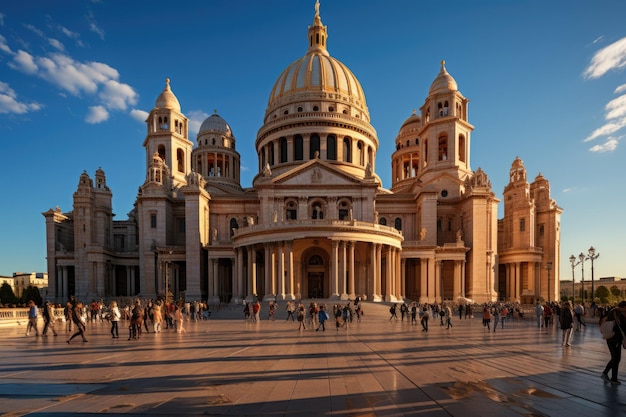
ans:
(227, 367)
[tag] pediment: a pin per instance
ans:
(315, 173)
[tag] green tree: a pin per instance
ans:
(615, 293)
(7, 296)
(31, 293)
(603, 294)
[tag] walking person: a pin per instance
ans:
(486, 317)
(300, 314)
(448, 312)
(290, 310)
(179, 320)
(495, 312)
(77, 319)
(67, 312)
(618, 315)
(322, 317)
(539, 313)
(413, 313)
(579, 312)
(566, 321)
(424, 318)
(461, 311)
(33, 316)
(48, 319)
(114, 317)
(157, 317)
(392, 311)
(136, 320)
(547, 315)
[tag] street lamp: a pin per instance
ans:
(572, 260)
(549, 268)
(592, 256)
(582, 258)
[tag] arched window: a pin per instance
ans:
(382, 221)
(180, 158)
(161, 151)
(233, 226)
(199, 165)
(345, 210)
(271, 153)
(398, 223)
(316, 260)
(443, 147)
(298, 154)
(314, 146)
(347, 150)
(462, 148)
(316, 212)
(291, 210)
(331, 147)
(283, 150)
(361, 155)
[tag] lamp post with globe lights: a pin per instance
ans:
(592, 256)
(582, 257)
(572, 260)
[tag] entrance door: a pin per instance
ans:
(316, 284)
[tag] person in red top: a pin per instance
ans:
(547, 315)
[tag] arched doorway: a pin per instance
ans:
(315, 277)
(316, 273)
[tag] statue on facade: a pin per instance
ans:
(459, 236)
(423, 233)
(267, 171)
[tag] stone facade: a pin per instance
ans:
(316, 222)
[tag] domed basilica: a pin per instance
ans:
(316, 222)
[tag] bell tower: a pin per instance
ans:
(445, 135)
(168, 137)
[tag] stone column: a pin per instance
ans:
(281, 272)
(423, 281)
(334, 271)
(290, 272)
(351, 271)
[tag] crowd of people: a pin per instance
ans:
(154, 316)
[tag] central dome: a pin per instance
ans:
(317, 72)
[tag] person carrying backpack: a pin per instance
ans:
(615, 343)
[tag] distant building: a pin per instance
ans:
(316, 222)
(23, 280)
(608, 282)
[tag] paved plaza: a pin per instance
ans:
(225, 366)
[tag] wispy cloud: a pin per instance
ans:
(608, 146)
(9, 102)
(56, 44)
(606, 59)
(611, 57)
(93, 26)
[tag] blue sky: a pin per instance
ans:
(546, 81)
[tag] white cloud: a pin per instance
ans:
(608, 58)
(116, 95)
(616, 108)
(92, 79)
(10, 104)
(620, 89)
(139, 115)
(35, 30)
(93, 26)
(56, 44)
(606, 129)
(4, 46)
(23, 61)
(2, 19)
(97, 114)
(196, 117)
(608, 146)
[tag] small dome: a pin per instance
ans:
(444, 82)
(167, 99)
(413, 122)
(215, 124)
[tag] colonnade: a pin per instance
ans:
(522, 279)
